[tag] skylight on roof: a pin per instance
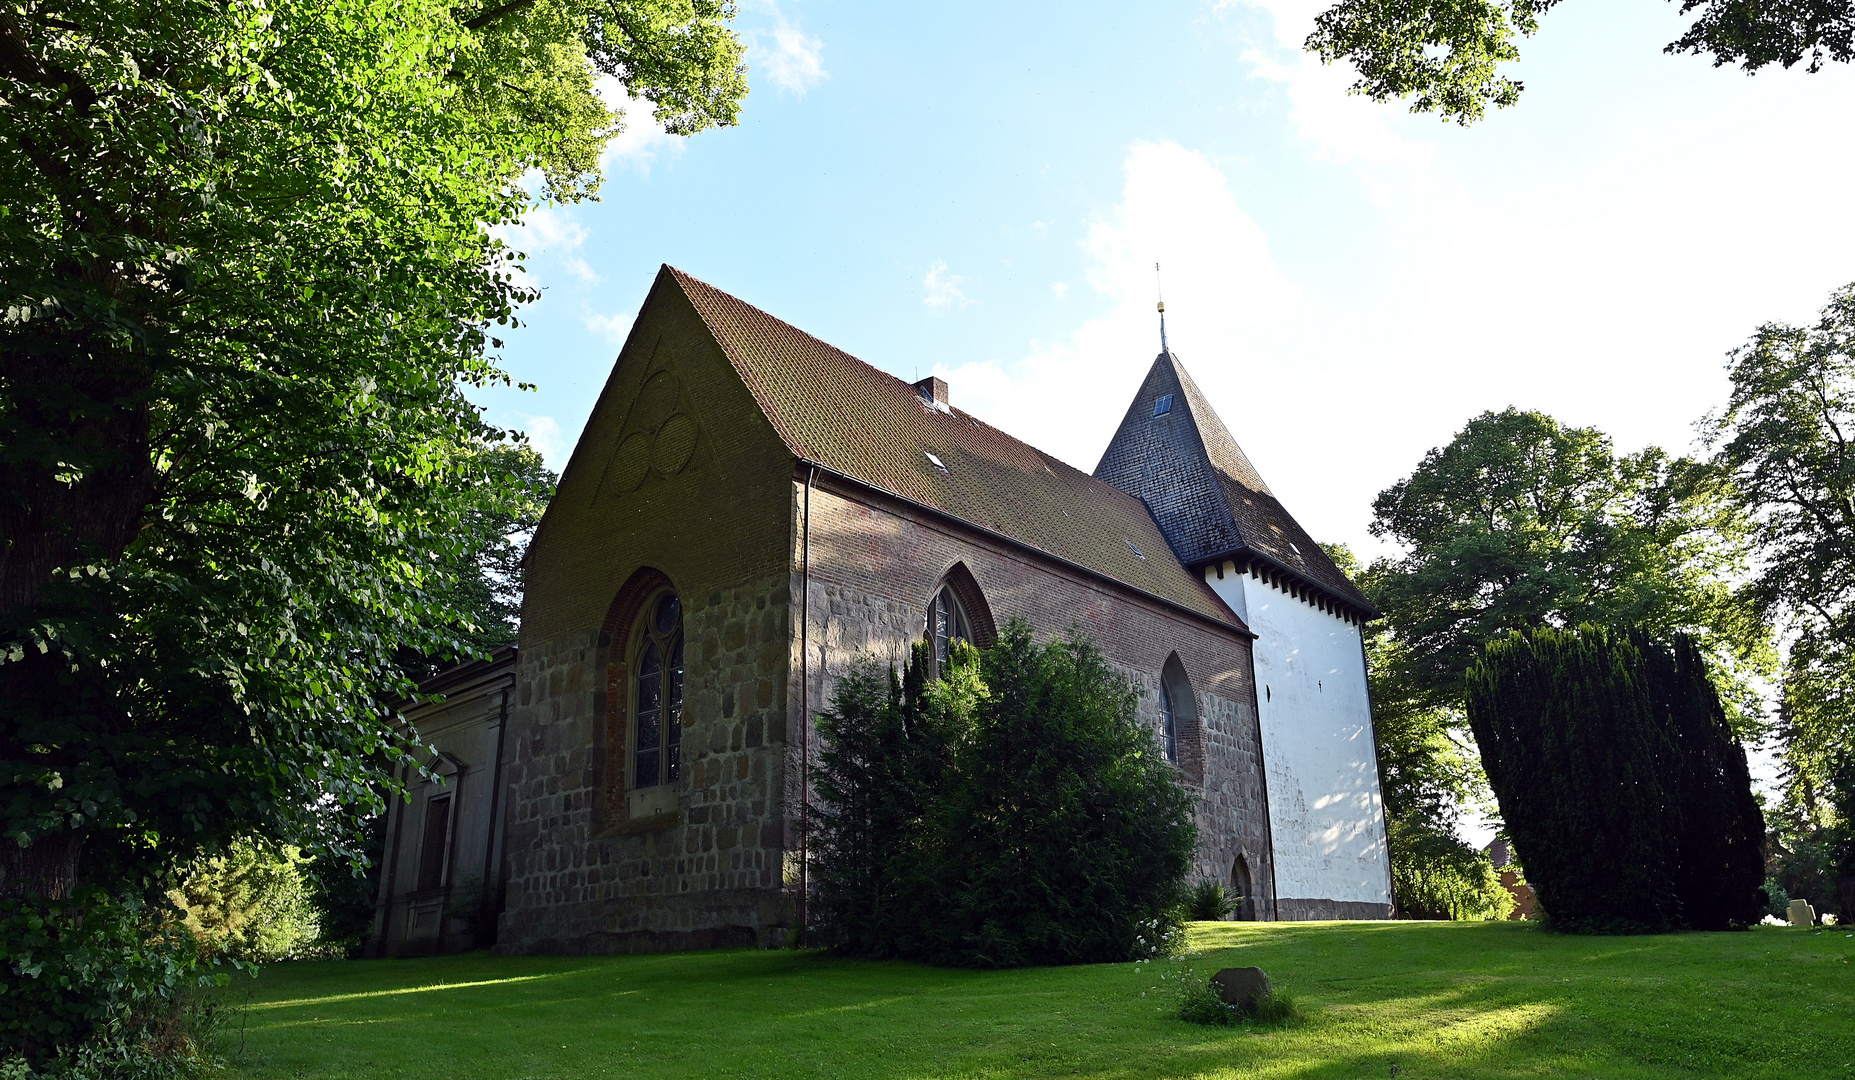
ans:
(1132, 548)
(938, 464)
(1162, 406)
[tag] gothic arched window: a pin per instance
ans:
(1178, 711)
(1169, 729)
(946, 624)
(657, 754)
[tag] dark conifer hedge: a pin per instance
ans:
(1011, 812)
(1620, 781)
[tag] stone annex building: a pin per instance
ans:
(749, 513)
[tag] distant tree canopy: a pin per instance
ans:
(1522, 522)
(250, 273)
(1011, 812)
(1784, 437)
(1444, 55)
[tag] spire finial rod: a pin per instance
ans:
(1159, 288)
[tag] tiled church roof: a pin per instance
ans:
(849, 417)
(1211, 503)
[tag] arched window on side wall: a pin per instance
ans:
(657, 695)
(957, 611)
(946, 624)
(1169, 726)
(1178, 707)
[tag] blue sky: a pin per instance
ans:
(981, 191)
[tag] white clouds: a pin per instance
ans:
(550, 233)
(613, 328)
(1222, 287)
(637, 147)
(1340, 127)
(1060, 289)
(941, 290)
(794, 61)
(545, 435)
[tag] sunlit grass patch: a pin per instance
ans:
(1438, 999)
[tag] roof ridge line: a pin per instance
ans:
(794, 444)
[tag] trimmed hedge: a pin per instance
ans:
(1621, 783)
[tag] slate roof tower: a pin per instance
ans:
(1331, 858)
(1174, 453)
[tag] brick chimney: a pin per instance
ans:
(933, 391)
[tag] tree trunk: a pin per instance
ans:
(46, 870)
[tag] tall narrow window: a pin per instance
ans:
(435, 843)
(1178, 708)
(658, 756)
(946, 624)
(1170, 730)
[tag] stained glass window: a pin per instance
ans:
(658, 745)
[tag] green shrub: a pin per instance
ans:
(1011, 812)
(248, 903)
(1618, 776)
(1437, 876)
(101, 987)
(1208, 901)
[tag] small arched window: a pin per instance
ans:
(946, 624)
(657, 754)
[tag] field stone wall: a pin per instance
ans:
(875, 564)
(678, 474)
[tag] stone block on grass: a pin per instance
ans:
(1801, 913)
(1241, 988)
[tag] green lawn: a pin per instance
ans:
(1437, 999)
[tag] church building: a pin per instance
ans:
(749, 513)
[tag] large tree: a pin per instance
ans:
(1787, 438)
(249, 274)
(1445, 55)
(1521, 521)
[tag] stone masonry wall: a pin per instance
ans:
(876, 562)
(679, 479)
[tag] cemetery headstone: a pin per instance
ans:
(1801, 913)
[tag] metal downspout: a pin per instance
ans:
(805, 707)
(494, 847)
(1384, 823)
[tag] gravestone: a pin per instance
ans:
(1801, 914)
(1241, 987)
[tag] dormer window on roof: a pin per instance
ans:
(935, 460)
(1162, 406)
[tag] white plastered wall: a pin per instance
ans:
(1325, 810)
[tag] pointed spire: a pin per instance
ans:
(1174, 453)
(1160, 289)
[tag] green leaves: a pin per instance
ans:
(250, 271)
(1012, 812)
(1784, 438)
(1444, 56)
(1522, 522)
(1441, 54)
